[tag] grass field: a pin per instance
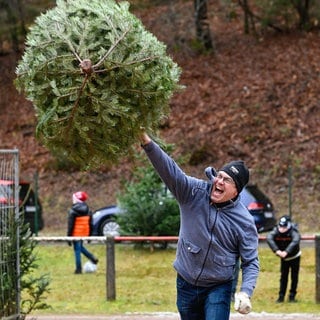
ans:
(145, 282)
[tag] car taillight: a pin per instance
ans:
(255, 206)
(3, 200)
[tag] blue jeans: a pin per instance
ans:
(79, 248)
(202, 303)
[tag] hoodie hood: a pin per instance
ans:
(81, 208)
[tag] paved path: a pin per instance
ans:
(174, 316)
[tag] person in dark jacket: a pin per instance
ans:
(216, 229)
(284, 241)
(79, 225)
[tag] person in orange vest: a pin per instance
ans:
(79, 225)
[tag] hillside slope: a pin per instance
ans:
(255, 99)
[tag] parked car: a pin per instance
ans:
(259, 205)
(104, 221)
(28, 202)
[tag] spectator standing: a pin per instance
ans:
(284, 241)
(79, 225)
(216, 229)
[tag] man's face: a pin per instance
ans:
(224, 188)
(283, 229)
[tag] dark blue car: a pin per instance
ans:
(104, 221)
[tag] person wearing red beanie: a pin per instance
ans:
(79, 225)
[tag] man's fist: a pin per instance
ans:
(242, 303)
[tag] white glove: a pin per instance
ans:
(242, 303)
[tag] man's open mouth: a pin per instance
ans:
(218, 190)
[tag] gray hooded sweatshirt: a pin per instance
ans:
(211, 239)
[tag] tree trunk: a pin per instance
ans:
(302, 8)
(15, 19)
(202, 24)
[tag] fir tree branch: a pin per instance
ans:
(110, 50)
(76, 104)
(69, 43)
(120, 64)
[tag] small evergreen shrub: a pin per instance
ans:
(150, 209)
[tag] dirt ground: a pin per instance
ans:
(174, 316)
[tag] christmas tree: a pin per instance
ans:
(95, 75)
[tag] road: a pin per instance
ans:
(174, 316)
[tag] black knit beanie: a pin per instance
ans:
(238, 171)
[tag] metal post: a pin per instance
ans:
(317, 247)
(111, 271)
(36, 204)
(290, 191)
(17, 217)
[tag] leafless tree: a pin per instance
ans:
(15, 20)
(202, 24)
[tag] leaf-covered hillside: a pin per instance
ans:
(255, 99)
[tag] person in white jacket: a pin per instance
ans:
(216, 229)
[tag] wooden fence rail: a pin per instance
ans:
(110, 254)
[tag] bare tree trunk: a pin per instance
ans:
(15, 19)
(302, 8)
(250, 17)
(202, 23)
(22, 21)
(249, 23)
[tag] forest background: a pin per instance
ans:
(254, 96)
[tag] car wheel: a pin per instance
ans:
(109, 227)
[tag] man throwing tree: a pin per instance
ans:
(216, 229)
